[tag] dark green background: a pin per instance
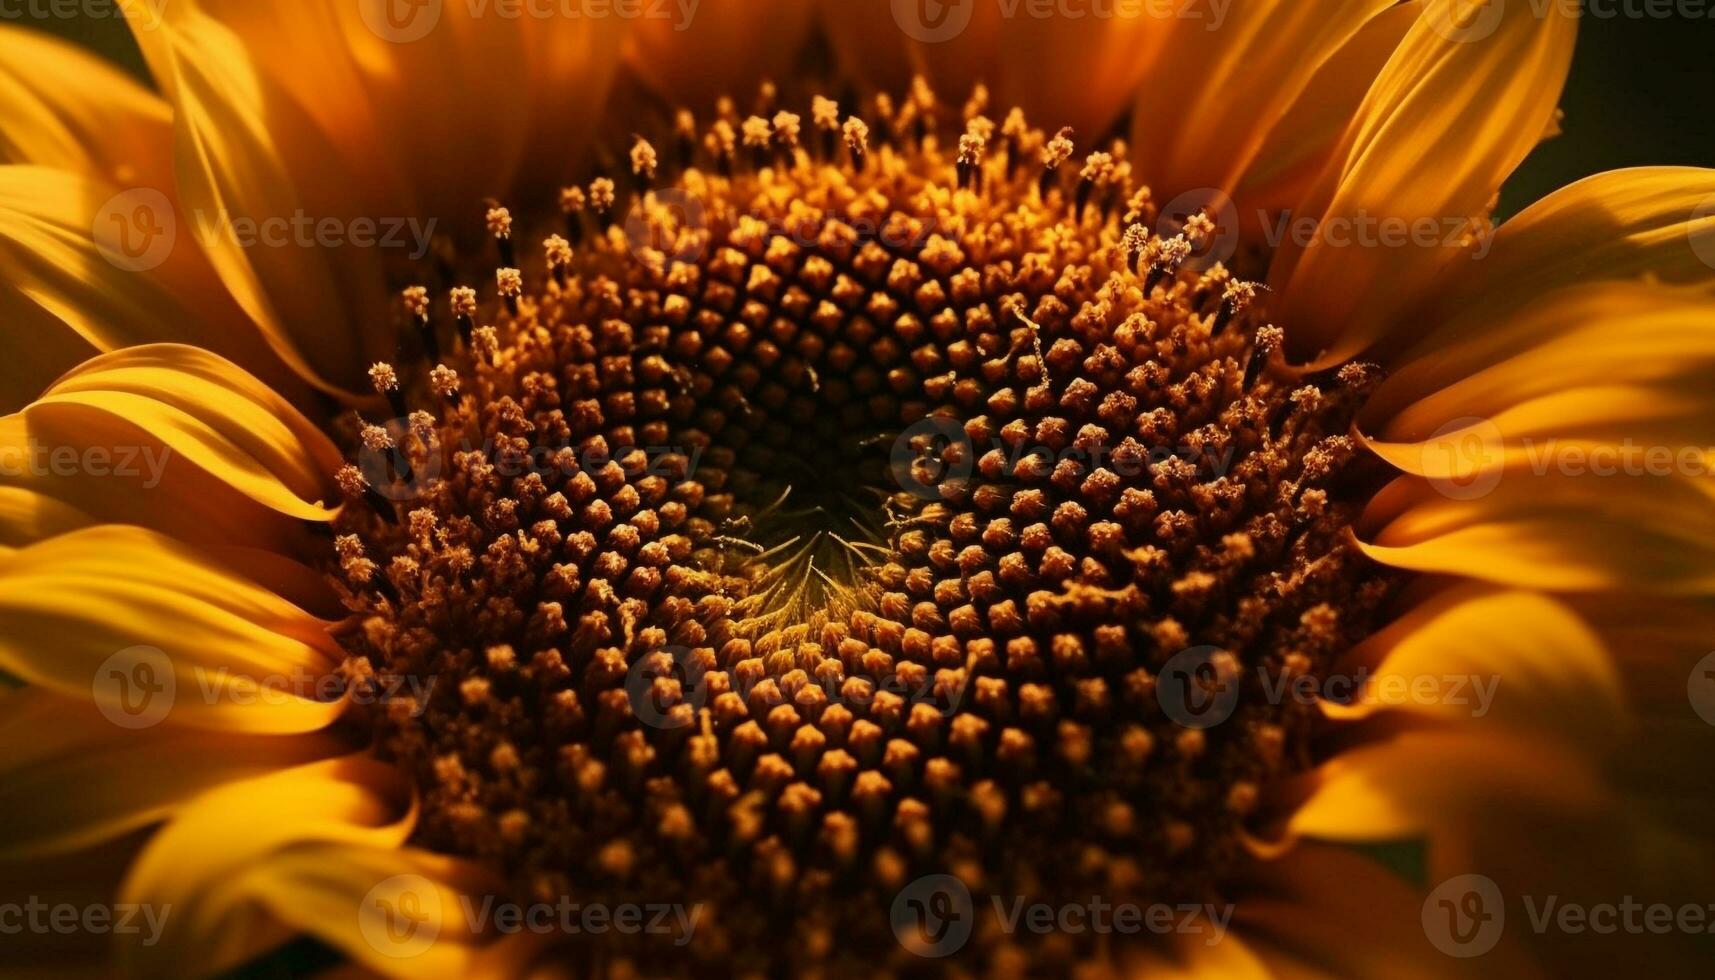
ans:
(1640, 93)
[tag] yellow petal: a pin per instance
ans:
(1306, 908)
(1553, 532)
(1208, 103)
(1623, 224)
(199, 862)
(1434, 782)
(67, 109)
(72, 778)
(1299, 145)
(1615, 336)
(211, 413)
(430, 107)
(154, 631)
(356, 898)
(1536, 667)
(1456, 108)
(93, 267)
(254, 172)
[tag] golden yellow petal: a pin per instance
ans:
(253, 168)
(200, 862)
(71, 778)
(1553, 532)
(430, 107)
(93, 267)
(67, 109)
(355, 898)
(1614, 336)
(1299, 144)
(1624, 224)
(1477, 654)
(207, 411)
(1208, 103)
(153, 630)
(1433, 782)
(1467, 94)
(1312, 903)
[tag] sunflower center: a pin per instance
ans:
(846, 503)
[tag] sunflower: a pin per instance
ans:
(770, 466)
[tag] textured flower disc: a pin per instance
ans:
(832, 507)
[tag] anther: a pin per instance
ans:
(1097, 167)
(787, 126)
(445, 382)
(857, 141)
(1163, 257)
(572, 203)
(1237, 297)
(1058, 151)
(386, 382)
(354, 486)
(1268, 340)
(644, 163)
(559, 254)
(601, 199)
(500, 226)
(970, 161)
(825, 116)
(464, 310)
(511, 285)
(417, 305)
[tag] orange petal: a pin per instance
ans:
(728, 48)
(1467, 94)
(1209, 101)
(69, 110)
(1620, 225)
(1299, 144)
